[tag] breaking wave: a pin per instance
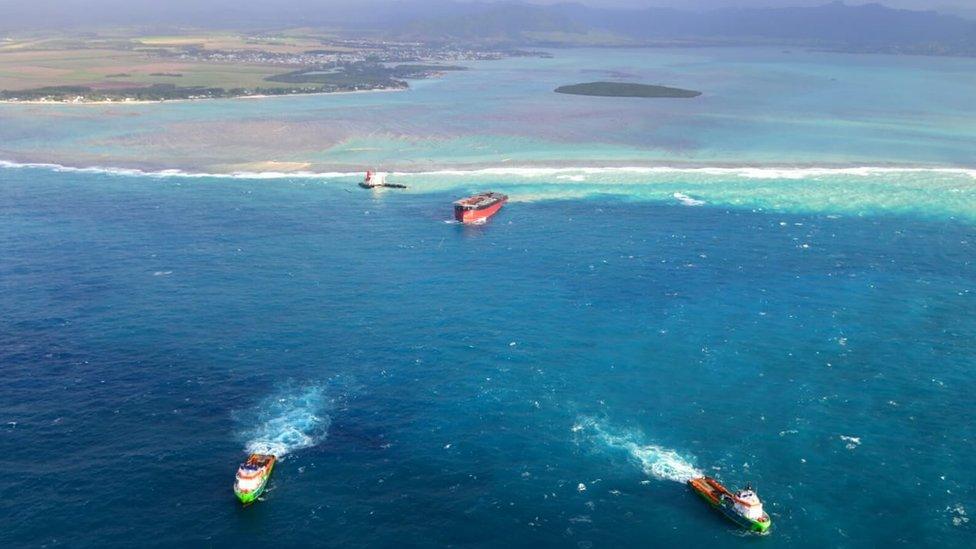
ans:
(292, 419)
(568, 174)
(135, 172)
(749, 172)
(687, 200)
(660, 462)
(941, 192)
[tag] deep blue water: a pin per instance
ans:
(435, 384)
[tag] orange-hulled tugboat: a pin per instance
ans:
(478, 207)
(742, 507)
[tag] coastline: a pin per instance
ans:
(194, 99)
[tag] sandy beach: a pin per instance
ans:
(195, 99)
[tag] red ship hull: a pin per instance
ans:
(472, 216)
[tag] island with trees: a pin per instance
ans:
(626, 89)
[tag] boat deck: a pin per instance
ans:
(480, 201)
(710, 489)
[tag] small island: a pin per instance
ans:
(626, 89)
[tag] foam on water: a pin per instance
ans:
(937, 191)
(571, 174)
(135, 172)
(292, 419)
(687, 200)
(660, 462)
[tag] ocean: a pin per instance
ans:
(786, 302)
(759, 108)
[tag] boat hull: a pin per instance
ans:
(250, 496)
(473, 216)
(749, 524)
(382, 185)
(712, 492)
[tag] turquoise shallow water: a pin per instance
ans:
(546, 379)
(759, 107)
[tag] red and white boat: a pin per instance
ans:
(377, 180)
(478, 207)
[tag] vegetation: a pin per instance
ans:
(351, 76)
(55, 64)
(423, 71)
(65, 68)
(361, 75)
(156, 92)
(625, 89)
(114, 65)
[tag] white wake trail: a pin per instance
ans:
(290, 420)
(657, 461)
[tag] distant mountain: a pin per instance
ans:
(26, 15)
(495, 22)
(966, 13)
(870, 27)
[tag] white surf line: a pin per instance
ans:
(135, 172)
(748, 172)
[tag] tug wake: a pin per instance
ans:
(657, 461)
(290, 420)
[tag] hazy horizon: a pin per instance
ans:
(383, 14)
(134, 7)
(628, 4)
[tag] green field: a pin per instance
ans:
(22, 69)
(120, 65)
(114, 63)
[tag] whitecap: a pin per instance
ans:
(852, 442)
(958, 514)
(687, 200)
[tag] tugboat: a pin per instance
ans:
(478, 207)
(742, 508)
(252, 477)
(375, 180)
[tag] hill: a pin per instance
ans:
(868, 28)
(835, 26)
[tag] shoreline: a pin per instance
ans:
(193, 99)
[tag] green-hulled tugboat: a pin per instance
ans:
(742, 508)
(252, 477)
